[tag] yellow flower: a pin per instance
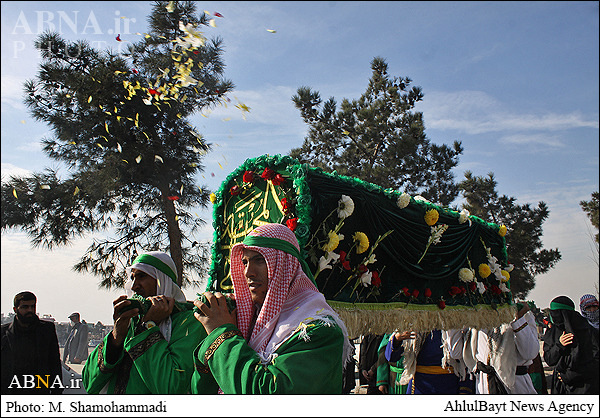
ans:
(431, 217)
(363, 242)
(502, 230)
(505, 276)
(213, 198)
(334, 241)
(484, 270)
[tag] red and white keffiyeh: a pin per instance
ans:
(291, 301)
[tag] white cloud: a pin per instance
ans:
(524, 139)
(12, 91)
(476, 112)
(8, 170)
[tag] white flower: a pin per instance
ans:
(510, 268)
(436, 233)
(480, 287)
(325, 261)
(403, 200)
(503, 287)
(345, 207)
(365, 278)
(421, 199)
(371, 259)
(464, 217)
(466, 275)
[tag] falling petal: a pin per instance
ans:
(100, 145)
(207, 12)
(181, 189)
(45, 187)
(76, 191)
(345, 132)
(137, 118)
(271, 30)
(218, 14)
(158, 158)
(127, 162)
(106, 127)
(220, 166)
(173, 198)
(226, 119)
(138, 159)
(72, 143)
(23, 122)
(170, 7)
(89, 99)
(147, 137)
(15, 193)
(118, 38)
(212, 23)
(119, 147)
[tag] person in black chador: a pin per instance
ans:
(30, 349)
(570, 349)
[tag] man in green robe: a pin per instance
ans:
(147, 353)
(286, 339)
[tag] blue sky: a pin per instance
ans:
(516, 82)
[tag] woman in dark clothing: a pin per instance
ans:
(569, 347)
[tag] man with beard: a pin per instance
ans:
(30, 347)
(147, 352)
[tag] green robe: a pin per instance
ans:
(300, 365)
(148, 364)
(388, 373)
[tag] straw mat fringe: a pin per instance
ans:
(361, 319)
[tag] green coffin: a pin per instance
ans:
(384, 260)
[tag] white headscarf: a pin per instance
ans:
(160, 266)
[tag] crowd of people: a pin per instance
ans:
(281, 337)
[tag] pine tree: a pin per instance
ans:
(524, 226)
(120, 125)
(590, 208)
(378, 138)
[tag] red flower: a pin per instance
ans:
(454, 291)
(292, 223)
(496, 290)
(235, 190)
(427, 293)
(342, 256)
(472, 286)
(152, 91)
(346, 265)
(441, 304)
(285, 205)
(415, 293)
(405, 291)
(362, 268)
(462, 290)
(268, 174)
(375, 279)
(248, 177)
(278, 180)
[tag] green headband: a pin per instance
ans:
(557, 305)
(155, 262)
(279, 244)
